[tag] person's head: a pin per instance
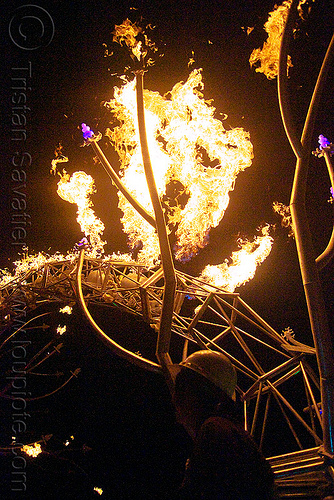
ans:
(204, 386)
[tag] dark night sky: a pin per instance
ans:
(70, 78)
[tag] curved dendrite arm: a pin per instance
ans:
(116, 348)
(282, 82)
(166, 254)
(319, 86)
(117, 181)
(311, 282)
(328, 253)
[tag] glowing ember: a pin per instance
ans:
(98, 490)
(32, 450)
(267, 58)
(77, 189)
(187, 145)
(66, 310)
(244, 263)
(61, 329)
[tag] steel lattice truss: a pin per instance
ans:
(270, 366)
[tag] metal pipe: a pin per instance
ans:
(256, 411)
(116, 348)
(277, 394)
(166, 317)
(327, 255)
(311, 281)
(117, 181)
(282, 82)
(310, 392)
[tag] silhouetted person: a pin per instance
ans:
(225, 463)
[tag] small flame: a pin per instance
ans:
(77, 189)
(66, 310)
(32, 450)
(61, 329)
(285, 213)
(244, 263)
(98, 490)
(128, 33)
(267, 58)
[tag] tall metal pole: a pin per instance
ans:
(312, 287)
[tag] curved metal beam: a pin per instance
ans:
(117, 181)
(312, 287)
(116, 348)
(327, 255)
(282, 82)
(166, 254)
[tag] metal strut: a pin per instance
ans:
(164, 334)
(307, 261)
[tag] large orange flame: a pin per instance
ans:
(187, 144)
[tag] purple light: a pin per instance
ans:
(332, 192)
(86, 131)
(83, 242)
(323, 142)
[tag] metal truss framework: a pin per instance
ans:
(268, 363)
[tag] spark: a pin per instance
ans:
(191, 59)
(247, 30)
(98, 490)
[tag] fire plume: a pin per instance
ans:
(77, 189)
(244, 263)
(266, 59)
(187, 145)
